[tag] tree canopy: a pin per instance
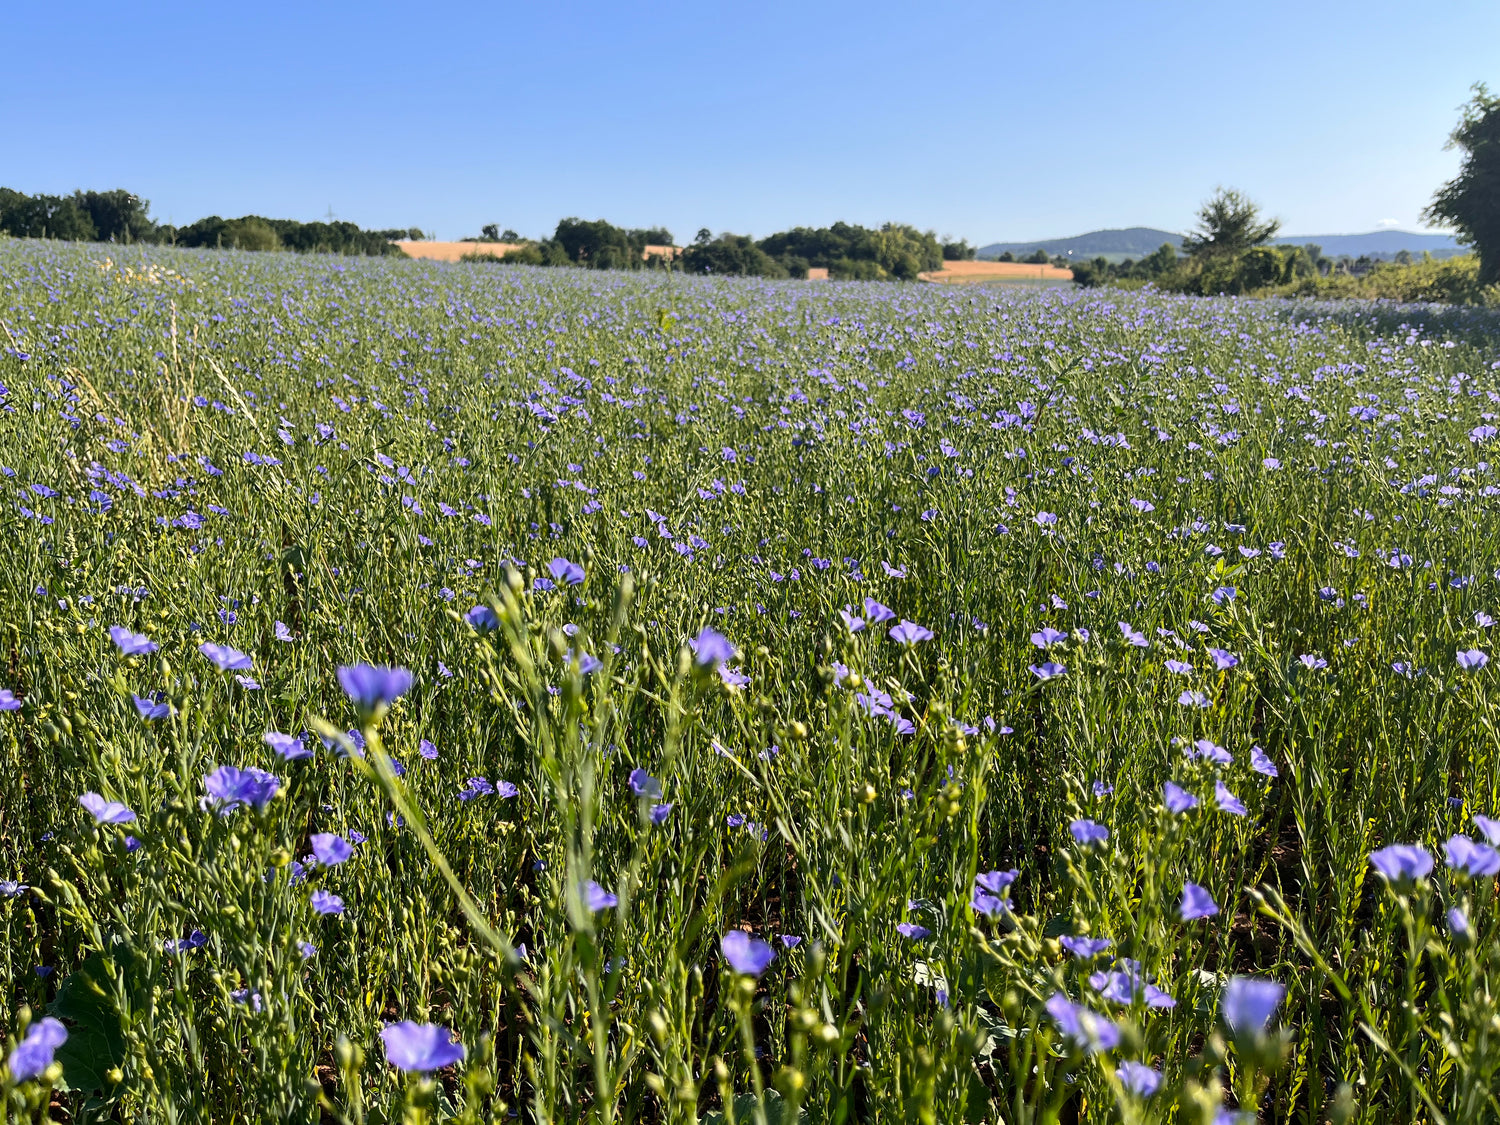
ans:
(1229, 224)
(1470, 202)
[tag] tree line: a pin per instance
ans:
(845, 250)
(123, 217)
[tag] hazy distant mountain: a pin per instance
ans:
(1132, 242)
(1380, 243)
(1135, 242)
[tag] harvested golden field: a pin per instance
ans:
(453, 251)
(959, 273)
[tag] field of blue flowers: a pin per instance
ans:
(446, 693)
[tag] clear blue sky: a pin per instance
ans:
(988, 120)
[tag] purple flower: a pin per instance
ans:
(1490, 828)
(1312, 661)
(1087, 832)
(229, 787)
(1261, 763)
(596, 898)
(1223, 659)
(1224, 594)
(8, 700)
(852, 623)
(106, 812)
(1047, 637)
(1124, 984)
(1084, 948)
(1193, 699)
(1179, 667)
(1048, 671)
(1474, 860)
(505, 789)
(226, 659)
(642, 784)
(325, 902)
(283, 634)
(987, 904)
(564, 571)
(483, 619)
(1088, 1030)
(1458, 923)
(746, 954)
(1227, 801)
(1212, 752)
(791, 941)
(711, 648)
(289, 746)
(1402, 863)
(373, 688)
(1177, 799)
(420, 1046)
(996, 882)
(1132, 636)
(1471, 660)
(909, 633)
(249, 997)
(1138, 1078)
(1197, 903)
(34, 1053)
(659, 813)
(330, 849)
(1249, 1003)
(427, 750)
(912, 930)
(131, 644)
(876, 613)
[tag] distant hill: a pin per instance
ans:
(1135, 242)
(1376, 244)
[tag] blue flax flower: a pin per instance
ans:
(746, 954)
(131, 644)
(229, 787)
(420, 1046)
(1197, 903)
(106, 812)
(1402, 864)
(371, 688)
(34, 1053)
(1249, 1003)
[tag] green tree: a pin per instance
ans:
(117, 216)
(1470, 202)
(1037, 257)
(45, 216)
(959, 251)
(253, 233)
(733, 255)
(1228, 225)
(1162, 260)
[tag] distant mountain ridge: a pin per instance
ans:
(1134, 242)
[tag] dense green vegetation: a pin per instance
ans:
(826, 703)
(122, 217)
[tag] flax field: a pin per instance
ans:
(442, 692)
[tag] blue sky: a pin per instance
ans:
(991, 121)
